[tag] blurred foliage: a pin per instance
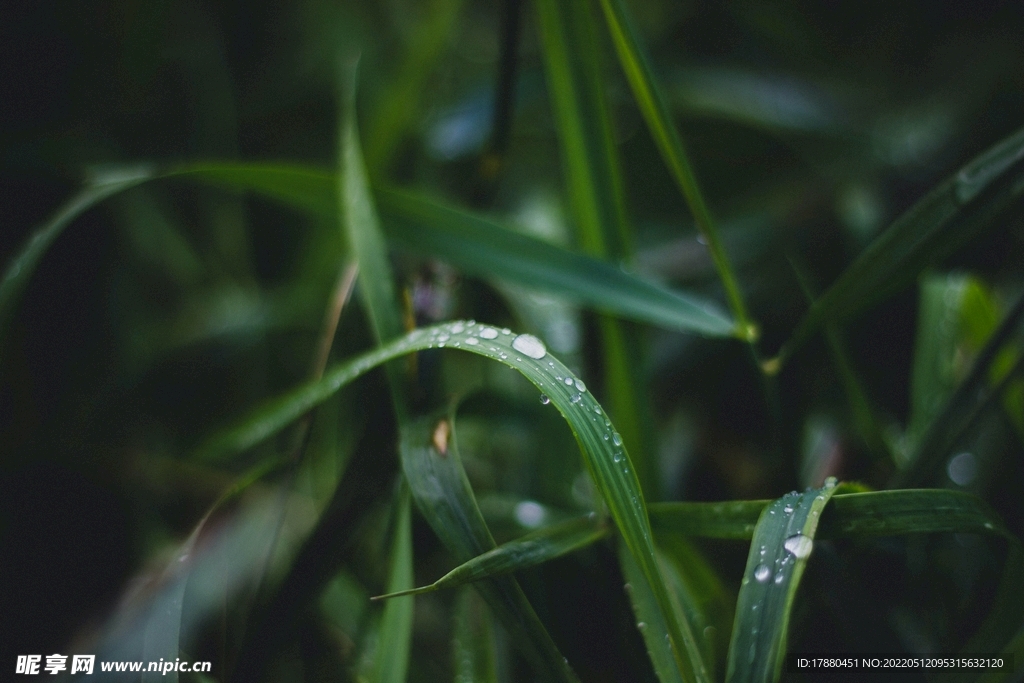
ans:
(856, 169)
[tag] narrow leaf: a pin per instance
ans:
(937, 225)
(652, 624)
(534, 548)
(656, 113)
(783, 540)
(433, 468)
(473, 646)
(391, 659)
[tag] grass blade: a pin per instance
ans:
(782, 542)
(483, 247)
(391, 659)
(473, 645)
(654, 108)
(650, 620)
(600, 444)
(532, 549)
(433, 468)
(946, 218)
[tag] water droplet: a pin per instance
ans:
(616, 438)
(754, 608)
(504, 356)
(799, 545)
(605, 437)
(617, 456)
(575, 398)
(962, 469)
(762, 573)
(472, 341)
(641, 625)
(488, 333)
(530, 514)
(788, 509)
(506, 331)
(458, 328)
(597, 409)
(831, 482)
(544, 399)
(989, 525)
(443, 338)
(580, 385)
(568, 381)
(779, 577)
(528, 345)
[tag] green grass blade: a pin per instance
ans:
(656, 113)
(479, 246)
(946, 218)
(782, 542)
(445, 498)
(595, 193)
(26, 259)
(391, 659)
(483, 247)
(534, 548)
(600, 444)
(473, 646)
(850, 515)
(650, 621)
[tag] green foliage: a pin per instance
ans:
(258, 392)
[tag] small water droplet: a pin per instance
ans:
(544, 399)
(754, 608)
(762, 573)
(989, 525)
(617, 456)
(641, 625)
(799, 545)
(616, 438)
(597, 409)
(575, 398)
(568, 381)
(831, 482)
(605, 437)
(472, 341)
(488, 333)
(458, 328)
(580, 386)
(788, 509)
(779, 577)
(503, 355)
(506, 331)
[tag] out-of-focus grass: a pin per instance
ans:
(177, 482)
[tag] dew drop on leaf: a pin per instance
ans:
(799, 545)
(616, 438)
(762, 573)
(488, 333)
(580, 386)
(528, 345)
(544, 399)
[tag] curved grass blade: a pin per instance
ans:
(391, 659)
(600, 444)
(433, 468)
(783, 540)
(97, 188)
(946, 218)
(473, 645)
(534, 548)
(656, 113)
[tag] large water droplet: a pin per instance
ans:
(530, 514)
(762, 573)
(580, 385)
(544, 399)
(528, 345)
(489, 333)
(616, 438)
(800, 546)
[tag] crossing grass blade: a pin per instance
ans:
(783, 540)
(650, 620)
(473, 646)
(433, 468)
(945, 219)
(391, 659)
(532, 549)
(654, 107)
(606, 459)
